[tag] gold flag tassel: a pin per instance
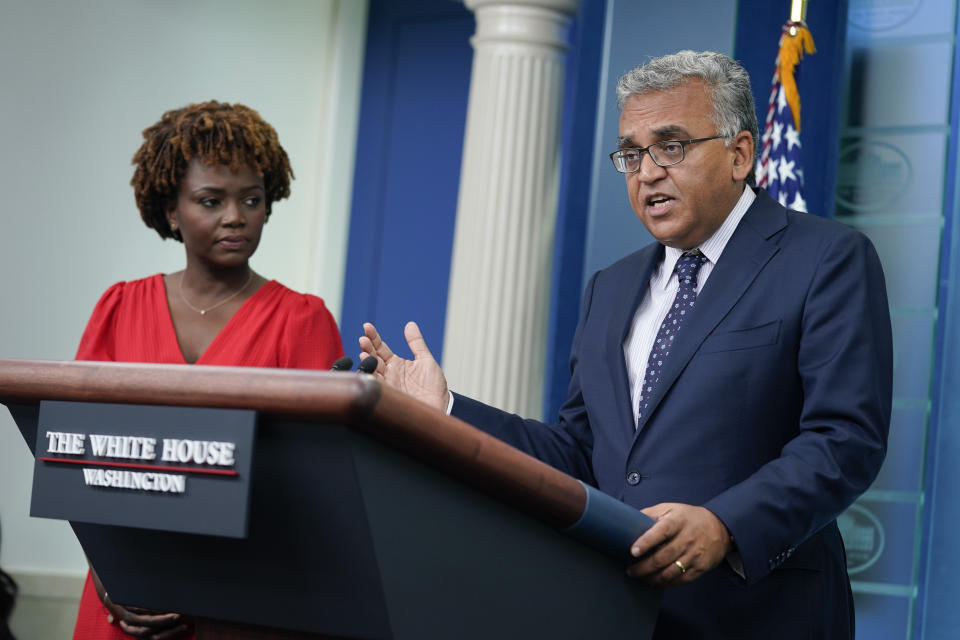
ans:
(796, 40)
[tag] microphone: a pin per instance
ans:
(369, 365)
(342, 364)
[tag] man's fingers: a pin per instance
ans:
(367, 350)
(685, 542)
(381, 365)
(673, 574)
(660, 563)
(418, 346)
(653, 538)
(657, 511)
(657, 549)
(373, 343)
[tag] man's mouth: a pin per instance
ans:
(658, 203)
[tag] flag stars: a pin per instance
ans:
(777, 135)
(781, 100)
(779, 169)
(798, 204)
(772, 171)
(792, 136)
(786, 170)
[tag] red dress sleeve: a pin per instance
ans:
(99, 338)
(310, 339)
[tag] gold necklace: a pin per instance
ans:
(224, 301)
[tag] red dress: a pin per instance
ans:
(275, 327)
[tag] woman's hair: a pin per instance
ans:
(216, 133)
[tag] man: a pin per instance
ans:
(732, 380)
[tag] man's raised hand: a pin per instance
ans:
(421, 377)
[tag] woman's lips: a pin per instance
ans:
(232, 243)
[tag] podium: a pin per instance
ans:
(370, 515)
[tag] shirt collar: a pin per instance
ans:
(713, 246)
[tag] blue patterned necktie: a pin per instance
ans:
(686, 268)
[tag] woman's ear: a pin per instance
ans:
(172, 218)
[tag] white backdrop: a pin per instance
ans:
(78, 83)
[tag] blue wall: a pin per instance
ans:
(579, 140)
(409, 147)
(938, 615)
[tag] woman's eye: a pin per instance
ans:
(209, 203)
(252, 201)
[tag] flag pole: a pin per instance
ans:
(798, 15)
(779, 167)
(798, 10)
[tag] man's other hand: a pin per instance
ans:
(685, 542)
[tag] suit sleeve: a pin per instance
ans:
(567, 444)
(845, 369)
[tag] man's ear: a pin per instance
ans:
(742, 147)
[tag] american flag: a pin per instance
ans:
(779, 169)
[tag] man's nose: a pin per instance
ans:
(649, 170)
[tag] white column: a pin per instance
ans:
(495, 336)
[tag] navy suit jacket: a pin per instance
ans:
(773, 413)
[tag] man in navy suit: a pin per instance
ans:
(732, 380)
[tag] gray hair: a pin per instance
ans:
(726, 79)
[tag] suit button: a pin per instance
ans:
(633, 478)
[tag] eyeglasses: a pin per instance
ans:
(664, 153)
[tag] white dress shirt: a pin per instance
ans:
(655, 305)
(663, 288)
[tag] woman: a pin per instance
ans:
(206, 175)
(8, 595)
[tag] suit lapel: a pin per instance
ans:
(745, 255)
(634, 288)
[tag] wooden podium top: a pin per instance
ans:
(356, 400)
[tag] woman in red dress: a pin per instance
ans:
(206, 175)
